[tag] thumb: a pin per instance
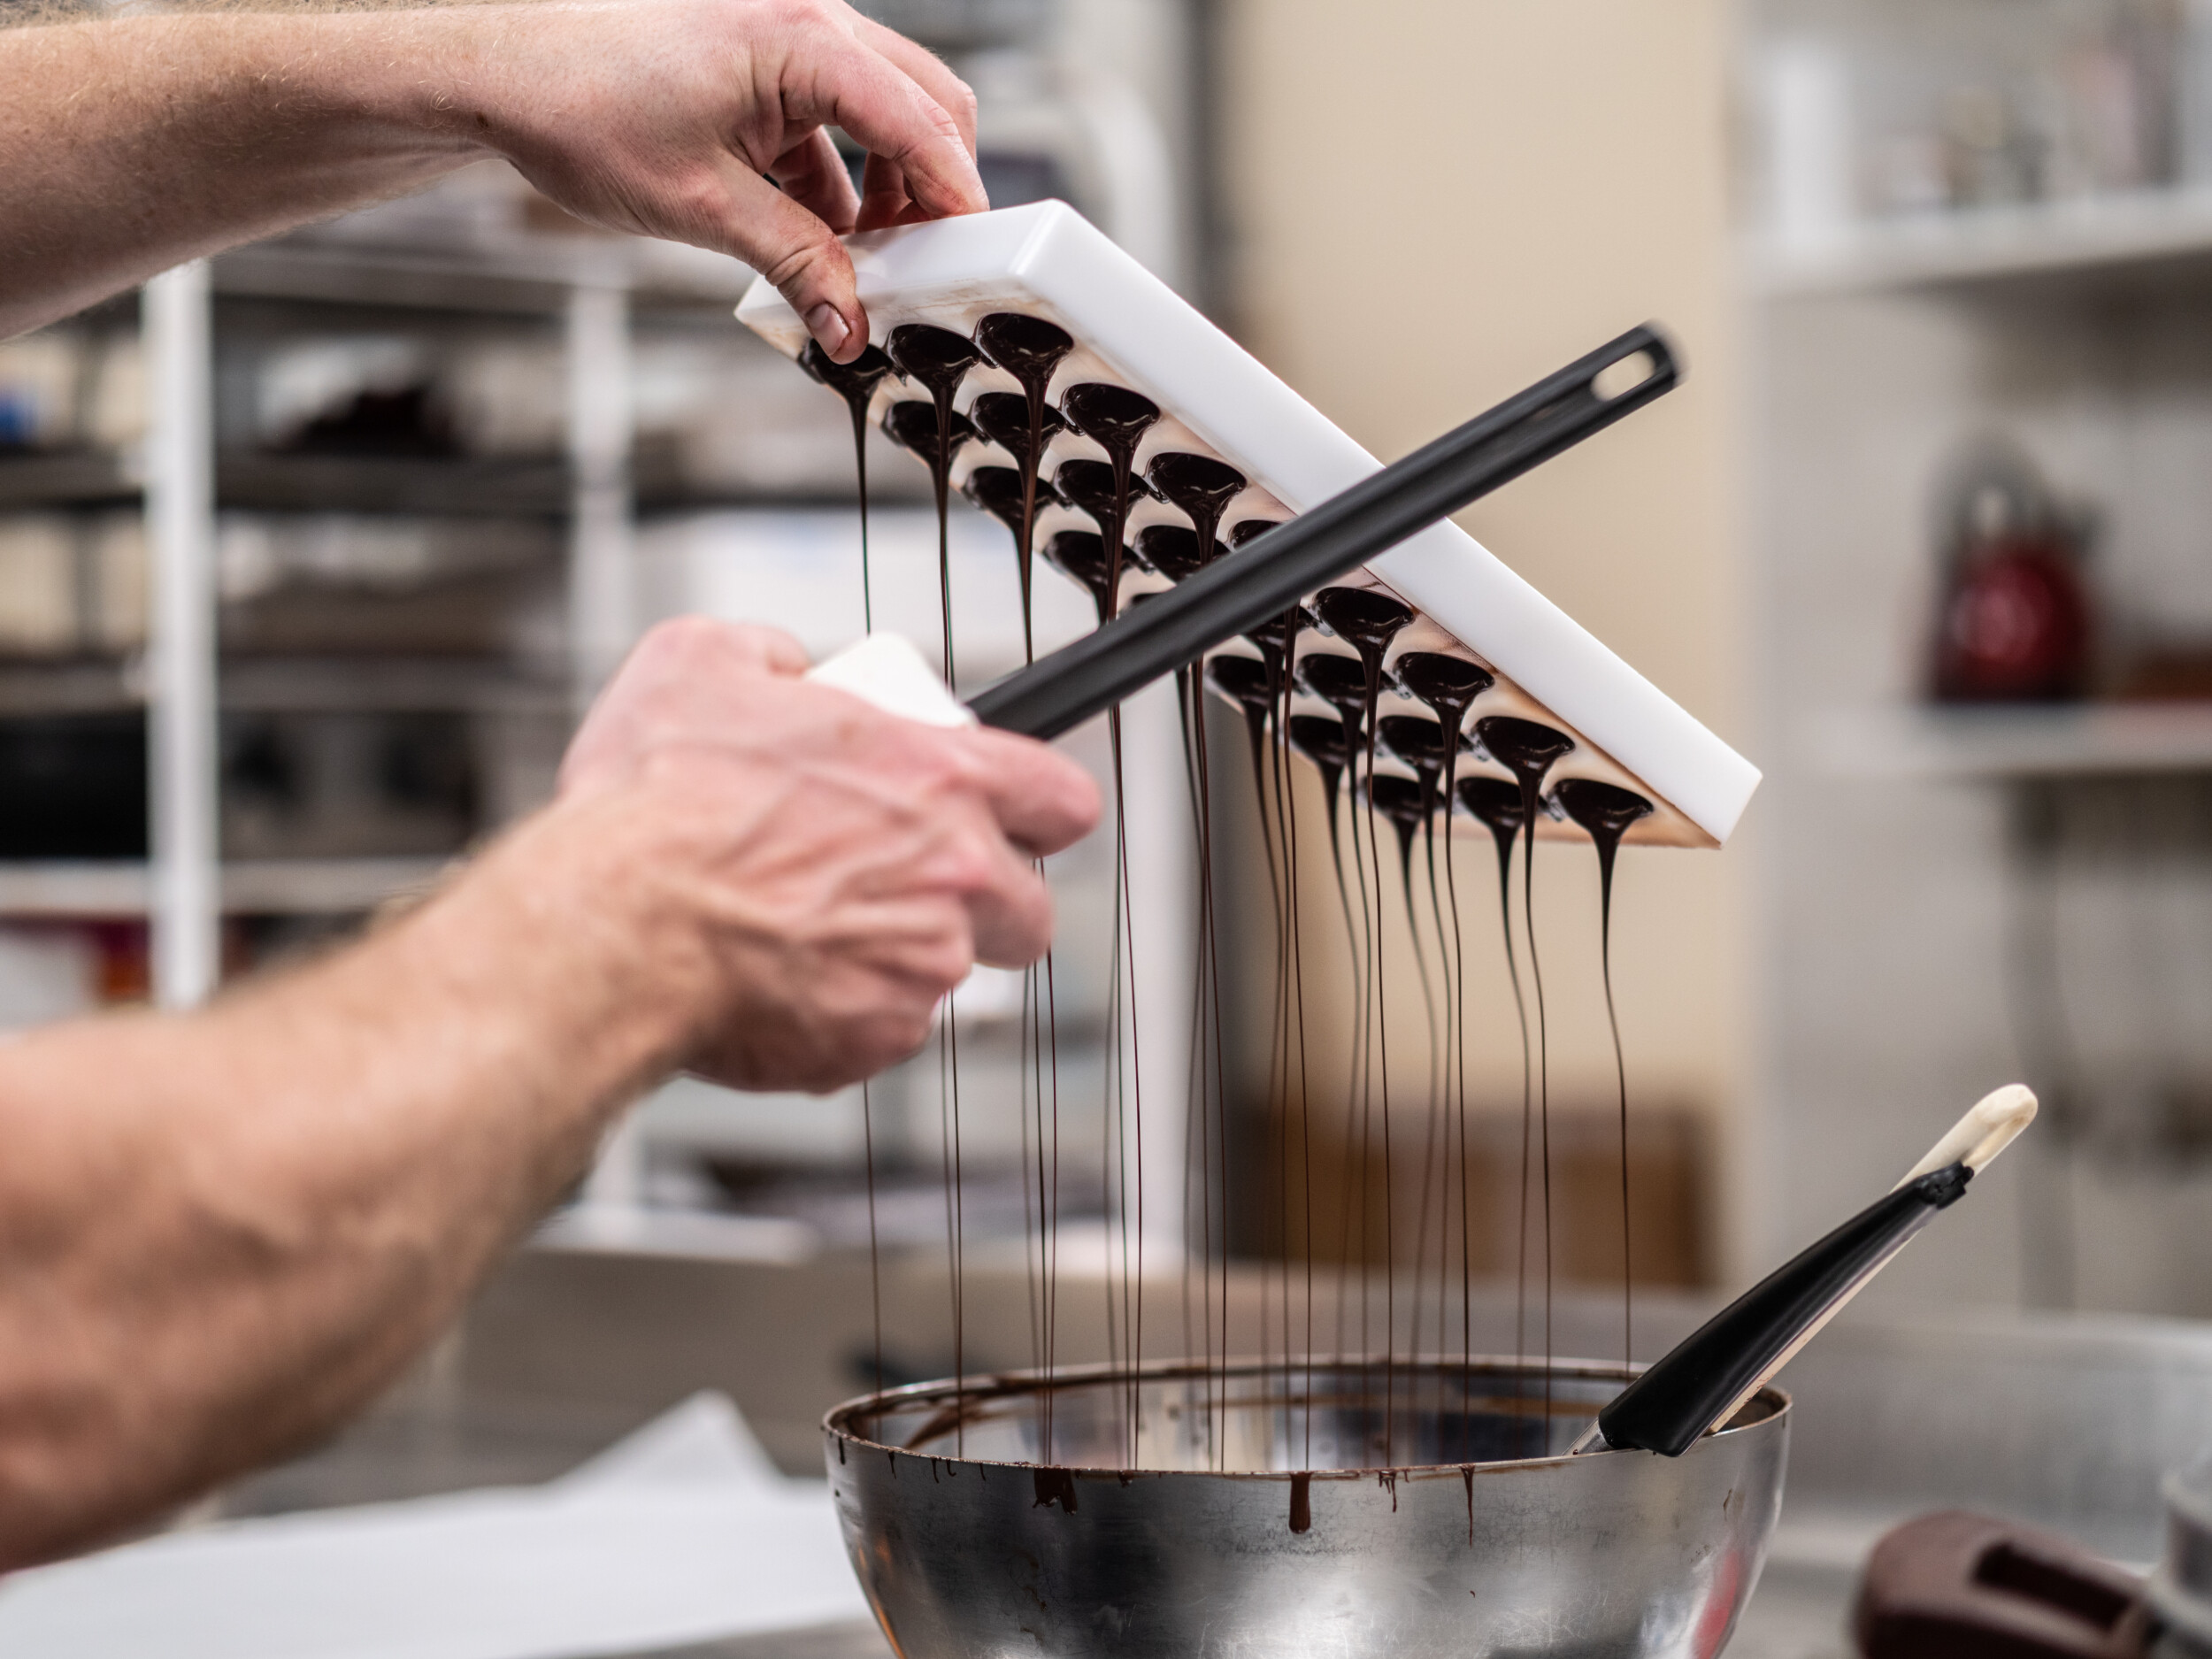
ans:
(801, 255)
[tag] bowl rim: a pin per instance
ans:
(1771, 1404)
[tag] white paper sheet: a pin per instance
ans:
(683, 1532)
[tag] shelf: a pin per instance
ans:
(463, 487)
(74, 684)
(2147, 241)
(395, 685)
(513, 273)
(302, 886)
(2049, 741)
(65, 479)
(292, 685)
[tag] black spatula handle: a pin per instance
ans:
(1262, 579)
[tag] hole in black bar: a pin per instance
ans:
(1618, 380)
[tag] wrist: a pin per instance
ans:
(567, 931)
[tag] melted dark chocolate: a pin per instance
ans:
(1527, 748)
(1331, 748)
(1417, 741)
(1004, 418)
(1340, 682)
(997, 490)
(1244, 529)
(1173, 551)
(1027, 347)
(911, 424)
(1114, 416)
(1251, 684)
(1323, 742)
(1365, 618)
(1495, 802)
(1606, 811)
(1524, 747)
(936, 359)
(1405, 803)
(1447, 684)
(1053, 1485)
(1201, 486)
(855, 382)
(1087, 487)
(1272, 636)
(1081, 555)
(1117, 419)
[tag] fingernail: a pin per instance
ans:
(827, 326)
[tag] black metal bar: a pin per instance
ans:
(1266, 577)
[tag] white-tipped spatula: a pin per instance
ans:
(1706, 1378)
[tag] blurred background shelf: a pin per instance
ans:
(260, 887)
(2142, 241)
(459, 487)
(67, 478)
(2067, 741)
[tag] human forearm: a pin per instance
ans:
(129, 146)
(224, 1231)
(220, 1232)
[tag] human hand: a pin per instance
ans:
(670, 118)
(828, 871)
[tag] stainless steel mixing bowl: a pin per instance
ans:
(1191, 1513)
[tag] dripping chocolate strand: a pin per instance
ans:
(1419, 743)
(1527, 750)
(1341, 682)
(1404, 802)
(1448, 686)
(1323, 742)
(1497, 804)
(1368, 619)
(1030, 350)
(1117, 419)
(1206, 1041)
(855, 382)
(939, 360)
(1201, 486)
(1606, 811)
(1291, 621)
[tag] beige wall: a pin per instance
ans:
(1434, 202)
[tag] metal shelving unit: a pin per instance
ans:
(2136, 240)
(1998, 743)
(1959, 895)
(445, 266)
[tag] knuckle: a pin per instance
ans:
(812, 255)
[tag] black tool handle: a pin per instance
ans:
(1262, 579)
(1682, 1395)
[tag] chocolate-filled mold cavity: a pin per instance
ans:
(990, 310)
(1004, 418)
(911, 424)
(996, 490)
